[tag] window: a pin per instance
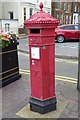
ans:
(75, 9)
(57, 15)
(77, 27)
(67, 19)
(24, 13)
(48, 12)
(7, 27)
(37, 1)
(62, 28)
(11, 15)
(45, 2)
(69, 28)
(64, 6)
(31, 11)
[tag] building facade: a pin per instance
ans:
(13, 14)
(66, 12)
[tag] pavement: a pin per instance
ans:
(15, 98)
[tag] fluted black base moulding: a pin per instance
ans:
(42, 107)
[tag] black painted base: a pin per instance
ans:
(43, 107)
(9, 80)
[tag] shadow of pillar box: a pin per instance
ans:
(10, 66)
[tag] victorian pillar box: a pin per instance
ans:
(41, 35)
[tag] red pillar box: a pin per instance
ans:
(41, 32)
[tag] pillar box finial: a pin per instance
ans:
(41, 6)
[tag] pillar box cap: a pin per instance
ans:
(41, 19)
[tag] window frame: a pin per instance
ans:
(7, 27)
(24, 9)
(31, 11)
(11, 15)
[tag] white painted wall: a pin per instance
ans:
(13, 25)
(17, 8)
(0, 9)
(18, 13)
(0, 24)
(35, 6)
(9, 7)
(21, 12)
(45, 2)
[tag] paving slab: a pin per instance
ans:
(26, 113)
(15, 100)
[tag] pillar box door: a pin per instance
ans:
(41, 33)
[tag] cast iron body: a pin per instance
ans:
(41, 33)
